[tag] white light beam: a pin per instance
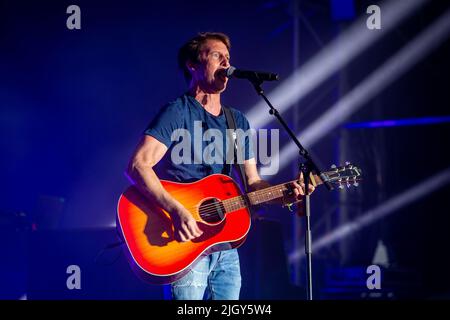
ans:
(330, 59)
(406, 198)
(390, 71)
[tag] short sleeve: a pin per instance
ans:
(168, 119)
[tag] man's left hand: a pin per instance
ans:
(299, 185)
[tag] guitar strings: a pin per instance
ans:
(211, 209)
(248, 194)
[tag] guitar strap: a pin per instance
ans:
(231, 123)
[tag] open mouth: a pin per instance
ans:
(221, 74)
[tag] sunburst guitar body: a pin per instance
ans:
(149, 233)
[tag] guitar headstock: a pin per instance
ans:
(347, 175)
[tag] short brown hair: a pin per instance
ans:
(190, 51)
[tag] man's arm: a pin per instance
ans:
(140, 171)
(254, 181)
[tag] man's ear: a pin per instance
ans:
(190, 66)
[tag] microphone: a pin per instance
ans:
(232, 72)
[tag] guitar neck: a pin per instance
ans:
(264, 195)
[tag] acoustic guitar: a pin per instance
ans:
(222, 213)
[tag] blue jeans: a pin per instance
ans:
(216, 276)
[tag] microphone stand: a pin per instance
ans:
(307, 167)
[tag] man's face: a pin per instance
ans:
(209, 72)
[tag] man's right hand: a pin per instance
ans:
(185, 225)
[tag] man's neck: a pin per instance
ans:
(209, 101)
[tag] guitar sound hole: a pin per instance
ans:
(212, 210)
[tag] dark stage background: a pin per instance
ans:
(73, 104)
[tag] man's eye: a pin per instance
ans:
(215, 55)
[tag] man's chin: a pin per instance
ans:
(215, 87)
(221, 86)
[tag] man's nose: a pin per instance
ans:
(225, 63)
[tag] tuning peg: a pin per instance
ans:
(333, 166)
(347, 163)
(341, 186)
(356, 184)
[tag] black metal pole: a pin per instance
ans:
(308, 238)
(307, 167)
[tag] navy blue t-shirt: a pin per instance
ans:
(197, 141)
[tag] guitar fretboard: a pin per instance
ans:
(263, 195)
(257, 197)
